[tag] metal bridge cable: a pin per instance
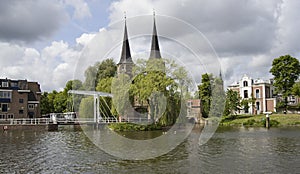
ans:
(104, 111)
(108, 107)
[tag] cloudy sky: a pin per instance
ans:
(54, 41)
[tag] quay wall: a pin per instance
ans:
(48, 127)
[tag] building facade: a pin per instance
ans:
(261, 92)
(19, 99)
(194, 109)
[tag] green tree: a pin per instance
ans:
(86, 108)
(73, 100)
(120, 90)
(104, 85)
(218, 99)
(100, 70)
(296, 89)
(105, 69)
(60, 102)
(205, 93)
(246, 103)
(51, 98)
(163, 85)
(90, 78)
(286, 71)
(232, 103)
(46, 106)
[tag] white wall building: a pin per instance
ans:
(261, 90)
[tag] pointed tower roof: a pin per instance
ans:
(125, 54)
(155, 52)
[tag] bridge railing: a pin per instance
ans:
(26, 121)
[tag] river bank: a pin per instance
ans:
(259, 120)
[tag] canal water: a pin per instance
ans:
(230, 150)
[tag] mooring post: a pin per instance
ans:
(267, 119)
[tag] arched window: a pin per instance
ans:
(245, 83)
(257, 93)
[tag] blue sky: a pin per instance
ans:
(45, 41)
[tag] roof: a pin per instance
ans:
(155, 52)
(125, 54)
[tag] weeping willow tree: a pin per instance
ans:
(163, 85)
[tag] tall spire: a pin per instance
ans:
(155, 52)
(125, 54)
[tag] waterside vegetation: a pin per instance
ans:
(280, 120)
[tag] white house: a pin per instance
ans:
(258, 89)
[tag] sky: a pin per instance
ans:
(55, 41)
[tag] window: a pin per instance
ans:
(10, 116)
(21, 100)
(14, 84)
(30, 106)
(4, 107)
(2, 116)
(245, 83)
(257, 93)
(257, 106)
(246, 94)
(4, 84)
(5, 94)
(21, 111)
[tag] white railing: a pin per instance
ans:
(26, 121)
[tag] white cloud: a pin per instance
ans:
(247, 35)
(81, 8)
(85, 38)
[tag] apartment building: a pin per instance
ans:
(19, 99)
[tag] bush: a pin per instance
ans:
(133, 127)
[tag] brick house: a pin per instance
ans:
(261, 90)
(19, 99)
(194, 108)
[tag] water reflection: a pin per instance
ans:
(231, 150)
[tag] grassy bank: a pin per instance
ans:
(133, 127)
(259, 120)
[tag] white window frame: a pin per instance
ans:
(5, 84)
(31, 106)
(257, 93)
(10, 116)
(5, 94)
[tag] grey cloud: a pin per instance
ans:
(30, 20)
(232, 26)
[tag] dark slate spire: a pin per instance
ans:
(125, 54)
(155, 52)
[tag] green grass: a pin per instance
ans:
(259, 120)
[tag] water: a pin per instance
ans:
(231, 150)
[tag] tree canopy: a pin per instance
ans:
(286, 70)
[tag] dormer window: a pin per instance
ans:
(245, 83)
(5, 84)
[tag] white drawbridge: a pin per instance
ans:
(96, 94)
